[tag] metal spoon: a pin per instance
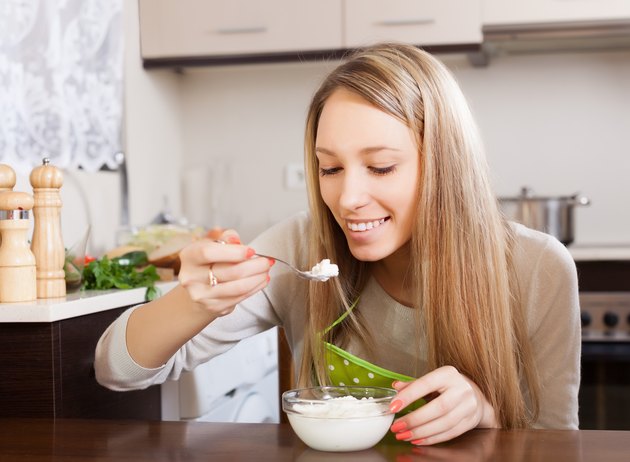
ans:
(303, 274)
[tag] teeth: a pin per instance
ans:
(365, 226)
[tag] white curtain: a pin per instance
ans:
(61, 83)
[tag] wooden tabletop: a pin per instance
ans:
(23, 440)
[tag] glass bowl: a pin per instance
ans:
(339, 418)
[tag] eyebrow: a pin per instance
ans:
(364, 151)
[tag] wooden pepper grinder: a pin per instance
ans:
(47, 244)
(17, 262)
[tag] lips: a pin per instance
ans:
(362, 226)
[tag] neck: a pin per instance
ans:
(394, 275)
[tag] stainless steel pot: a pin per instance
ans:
(552, 215)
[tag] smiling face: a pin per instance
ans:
(368, 174)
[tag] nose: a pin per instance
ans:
(354, 191)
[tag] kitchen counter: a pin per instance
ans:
(47, 356)
(25, 440)
(608, 252)
(75, 304)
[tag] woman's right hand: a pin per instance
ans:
(239, 274)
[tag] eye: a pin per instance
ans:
(382, 170)
(329, 171)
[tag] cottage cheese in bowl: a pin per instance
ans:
(339, 418)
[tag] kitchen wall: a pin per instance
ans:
(557, 122)
(216, 140)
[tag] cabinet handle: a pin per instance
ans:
(242, 30)
(404, 22)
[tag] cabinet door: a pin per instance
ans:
(541, 11)
(182, 28)
(47, 371)
(420, 22)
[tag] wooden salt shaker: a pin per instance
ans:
(7, 178)
(47, 243)
(17, 262)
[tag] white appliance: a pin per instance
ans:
(238, 386)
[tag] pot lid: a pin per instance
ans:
(527, 194)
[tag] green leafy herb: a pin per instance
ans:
(103, 274)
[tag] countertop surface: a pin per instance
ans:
(74, 304)
(593, 252)
(91, 301)
(104, 440)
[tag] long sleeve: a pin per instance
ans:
(280, 303)
(549, 289)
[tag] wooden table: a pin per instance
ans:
(23, 440)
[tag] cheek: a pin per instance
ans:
(407, 196)
(327, 193)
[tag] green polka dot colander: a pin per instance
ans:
(346, 369)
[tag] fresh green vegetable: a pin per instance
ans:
(135, 258)
(103, 274)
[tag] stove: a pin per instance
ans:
(605, 316)
(604, 281)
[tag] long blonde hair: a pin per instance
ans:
(461, 245)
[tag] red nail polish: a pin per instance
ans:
(233, 240)
(399, 426)
(272, 261)
(418, 441)
(250, 252)
(395, 406)
(268, 278)
(404, 436)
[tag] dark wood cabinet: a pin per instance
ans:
(47, 371)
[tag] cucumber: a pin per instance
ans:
(135, 259)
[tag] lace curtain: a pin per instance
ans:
(61, 83)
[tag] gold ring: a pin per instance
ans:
(212, 277)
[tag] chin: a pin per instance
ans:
(366, 254)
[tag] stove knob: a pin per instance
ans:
(611, 319)
(585, 318)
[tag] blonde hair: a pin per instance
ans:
(460, 247)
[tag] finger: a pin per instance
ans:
(437, 426)
(207, 251)
(399, 385)
(199, 285)
(238, 287)
(435, 381)
(216, 296)
(447, 435)
(230, 236)
(453, 411)
(222, 306)
(225, 272)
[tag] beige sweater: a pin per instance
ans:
(548, 282)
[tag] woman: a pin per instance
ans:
(476, 315)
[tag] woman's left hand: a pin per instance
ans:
(458, 406)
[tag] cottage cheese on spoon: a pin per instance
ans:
(325, 270)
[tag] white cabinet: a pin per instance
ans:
(496, 12)
(194, 28)
(181, 29)
(420, 22)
